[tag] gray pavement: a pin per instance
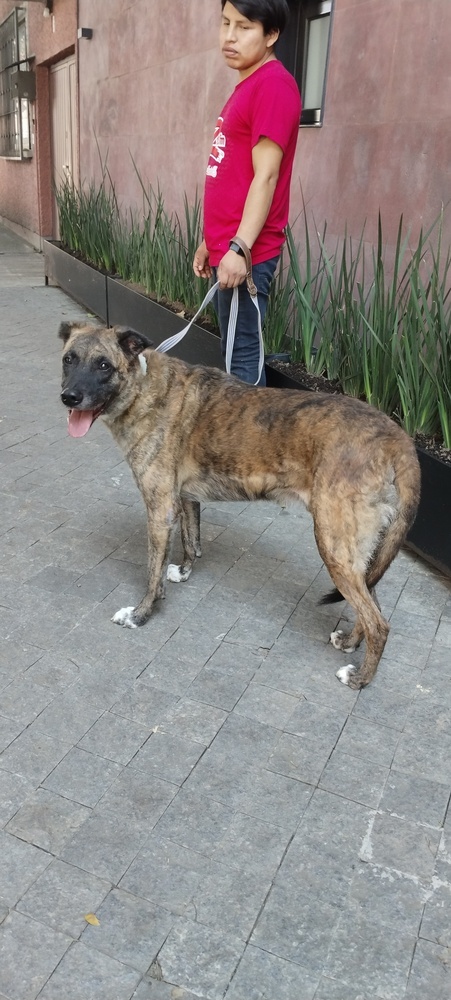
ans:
(234, 820)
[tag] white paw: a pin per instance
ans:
(176, 575)
(344, 673)
(124, 618)
(336, 638)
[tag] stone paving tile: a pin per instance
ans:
(20, 865)
(165, 873)
(331, 989)
(362, 954)
(151, 989)
(228, 900)
(354, 778)
(436, 923)
(266, 705)
(82, 967)
(430, 974)
(261, 975)
(30, 952)
(415, 798)
(299, 758)
(14, 789)
(111, 837)
(131, 929)
(116, 738)
(368, 740)
(33, 755)
(83, 777)
(170, 757)
(305, 852)
(62, 897)
(199, 958)
(403, 845)
(47, 820)
(296, 926)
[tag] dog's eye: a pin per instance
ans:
(68, 359)
(104, 365)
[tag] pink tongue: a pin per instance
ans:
(80, 422)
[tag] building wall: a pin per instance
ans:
(386, 140)
(25, 186)
(153, 82)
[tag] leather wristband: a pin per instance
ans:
(251, 287)
(234, 246)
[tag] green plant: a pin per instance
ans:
(278, 319)
(384, 333)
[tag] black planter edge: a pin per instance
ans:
(430, 535)
(85, 284)
(115, 303)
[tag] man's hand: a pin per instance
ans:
(231, 270)
(201, 265)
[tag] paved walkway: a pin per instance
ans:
(238, 822)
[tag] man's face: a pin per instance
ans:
(243, 43)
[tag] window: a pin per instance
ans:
(304, 49)
(15, 128)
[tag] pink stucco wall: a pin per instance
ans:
(153, 82)
(25, 187)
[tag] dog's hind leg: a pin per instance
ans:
(370, 625)
(347, 642)
(347, 555)
(190, 532)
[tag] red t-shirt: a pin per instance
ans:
(265, 104)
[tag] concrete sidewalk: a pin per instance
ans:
(239, 823)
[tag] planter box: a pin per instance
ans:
(117, 304)
(430, 536)
(276, 379)
(83, 283)
(127, 307)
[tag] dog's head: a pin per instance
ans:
(99, 370)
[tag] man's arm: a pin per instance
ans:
(266, 160)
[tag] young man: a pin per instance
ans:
(249, 171)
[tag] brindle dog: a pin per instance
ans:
(194, 434)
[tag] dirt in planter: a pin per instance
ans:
(318, 383)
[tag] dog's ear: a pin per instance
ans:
(131, 342)
(65, 330)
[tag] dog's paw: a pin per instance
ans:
(350, 676)
(339, 641)
(176, 574)
(124, 617)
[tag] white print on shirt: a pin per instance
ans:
(217, 150)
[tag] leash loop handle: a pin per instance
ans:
(171, 342)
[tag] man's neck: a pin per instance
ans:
(243, 74)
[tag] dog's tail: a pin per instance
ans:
(332, 597)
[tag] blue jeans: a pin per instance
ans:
(246, 352)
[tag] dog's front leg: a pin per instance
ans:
(159, 530)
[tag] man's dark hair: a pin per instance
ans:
(272, 14)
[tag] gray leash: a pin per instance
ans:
(171, 342)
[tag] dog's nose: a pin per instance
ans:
(72, 397)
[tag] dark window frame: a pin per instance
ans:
(15, 118)
(292, 50)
